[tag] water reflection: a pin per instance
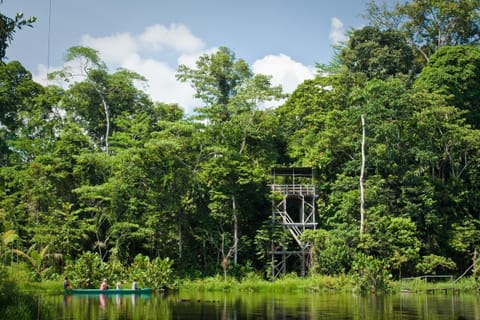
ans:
(304, 306)
(103, 301)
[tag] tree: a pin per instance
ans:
(465, 239)
(216, 78)
(220, 77)
(231, 95)
(454, 71)
(17, 94)
(332, 250)
(99, 95)
(8, 27)
(394, 239)
(432, 24)
(377, 53)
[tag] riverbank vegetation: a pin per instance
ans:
(292, 283)
(97, 180)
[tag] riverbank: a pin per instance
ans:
(291, 283)
(321, 283)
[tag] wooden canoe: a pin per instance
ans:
(109, 291)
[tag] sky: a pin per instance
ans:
(281, 38)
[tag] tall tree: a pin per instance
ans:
(95, 94)
(17, 98)
(454, 71)
(231, 94)
(430, 24)
(377, 53)
(220, 77)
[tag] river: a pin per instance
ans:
(252, 305)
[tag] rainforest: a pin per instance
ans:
(99, 181)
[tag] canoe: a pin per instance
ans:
(109, 291)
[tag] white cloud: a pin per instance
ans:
(337, 32)
(190, 59)
(40, 76)
(143, 54)
(284, 71)
(112, 49)
(176, 36)
(127, 51)
(162, 84)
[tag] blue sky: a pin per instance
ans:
(282, 38)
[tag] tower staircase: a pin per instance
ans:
(293, 207)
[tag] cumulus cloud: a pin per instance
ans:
(162, 84)
(144, 54)
(40, 76)
(131, 52)
(175, 36)
(284, 71)
(337, 31)
(190, 59)
(113, 49)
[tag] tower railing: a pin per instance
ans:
(294, 189)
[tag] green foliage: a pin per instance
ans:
(8, 27)
(216, 79)
(454, 71)
(156, 273)
(270, 235)
(15, 304)
(226, 85)
(98, 181)
(378, 54)
(87, 271)
(465, 236)
(369, 273)
(332, 250)
(290, 283)
(394, 239)
(433, 264)
(430, 25)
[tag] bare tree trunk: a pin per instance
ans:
(235, 231)
(107, 118)
(362, 191)
(232, 250)
(107, 115)
(224, 263)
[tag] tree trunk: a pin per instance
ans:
(107, 118)
(362, 173)
(235, 231)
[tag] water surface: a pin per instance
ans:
(264, 306)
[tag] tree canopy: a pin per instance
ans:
(96, 175)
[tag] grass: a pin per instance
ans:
(292, 283)
(254, 283)
(432, 283)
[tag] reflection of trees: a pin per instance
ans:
(266, 305)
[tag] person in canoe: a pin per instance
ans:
(104, 285)
(119, 285)
(66, 284)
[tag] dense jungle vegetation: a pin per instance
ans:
(98, 180)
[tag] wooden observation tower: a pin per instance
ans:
(293, 208)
